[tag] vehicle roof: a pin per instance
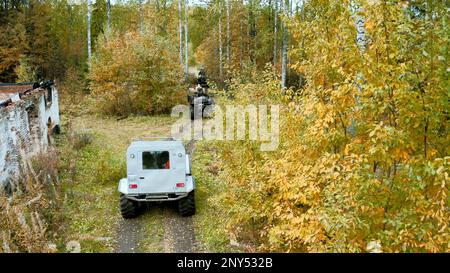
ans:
(157, 145)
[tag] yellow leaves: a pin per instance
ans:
(351, 168)
(369, 25)
(135, 73)
(335, 175)
(400, 154)
(346, 149)
(300, 68)
(377, 130)
(432, 153)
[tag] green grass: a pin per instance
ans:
(153, 233)
(209, 219)
(91, 187)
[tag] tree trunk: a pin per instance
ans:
(89, 16)
(108, 15)
(228, 33)
(186, 46)
(275, 39)
(361, 31)
(141, 16)
(241, 33)
(285, 6)
(220, 41)
(180, 31)
(250, 30)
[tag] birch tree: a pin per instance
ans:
(284, 7)
(180, 31)
(228, 33)
(220, 41)
(241, 29)
(275, 39)
(186, 45)
(108, 15)
(141, 16)
(89, 19)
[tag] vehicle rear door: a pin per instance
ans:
(159, 172)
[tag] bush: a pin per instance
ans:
(363, 161)
(80, 140)
(136, 73)
(326, 190)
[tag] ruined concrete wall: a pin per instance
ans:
(24, 131)
(5, 138)
(52, 110)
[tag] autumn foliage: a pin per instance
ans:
(136, 72)
(363, 163)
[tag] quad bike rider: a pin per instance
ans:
(199, 98)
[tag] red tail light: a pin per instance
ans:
(133, 186)
(180, 185)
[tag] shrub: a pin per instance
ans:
(135, 73)
(344, 178)
(80, 140)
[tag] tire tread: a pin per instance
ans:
(186, 206)
(128, 208)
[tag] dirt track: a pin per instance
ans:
(129, 235)
(179, 232)
(179, 235)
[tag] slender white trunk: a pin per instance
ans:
(285, 6)
(220, 40)
(186, 45)
(228, 33)
(275, 40)
(289, 43)
(241, 36)
(108, 15)
(291, 11)
(361, 30)
(89, 16)
(141, 16)
(249, 29)
(361, 41)
(180, 31)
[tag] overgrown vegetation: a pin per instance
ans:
(31, 218)
(209, 219)
(40, 39)
(364, 153)
(89, 174)
(136, 73)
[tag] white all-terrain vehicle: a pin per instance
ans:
(157, 171)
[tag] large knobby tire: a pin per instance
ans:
(186, 206)
(128, 208)
(192, 112)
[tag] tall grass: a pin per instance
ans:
(30, 215)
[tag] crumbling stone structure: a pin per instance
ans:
(29, 115)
